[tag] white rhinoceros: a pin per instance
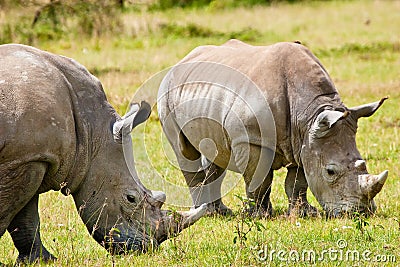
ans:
(58, 132)
(255, 109)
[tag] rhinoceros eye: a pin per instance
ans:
(330, 171)
(131, 198)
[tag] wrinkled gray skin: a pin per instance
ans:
(58, 132)
(315, 131)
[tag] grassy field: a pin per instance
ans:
(359, 44)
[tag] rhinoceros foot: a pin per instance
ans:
(302, 210)
(261, 211)
(218, 208)
(36, 257)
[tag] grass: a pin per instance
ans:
(357, 41)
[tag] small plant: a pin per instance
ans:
(110, 239)
(245, 224)
(176, 249)
(361, 224)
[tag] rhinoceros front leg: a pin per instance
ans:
(24, 231)
(262, 204)
(255, 164)
(296, 191)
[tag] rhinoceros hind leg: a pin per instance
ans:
(296, 191)
(205, 187)
(203, 177)
(19, 182)
(24, 230)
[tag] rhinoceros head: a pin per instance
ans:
(335, 171)
(118, 210)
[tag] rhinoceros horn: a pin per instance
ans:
(136, 115)
(367, 109)
(371, 185)
(174, 222)
(170, 223)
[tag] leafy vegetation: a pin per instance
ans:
(245, 223)
(192, 30)
(357, 42)
(167, 4)
(55, 20)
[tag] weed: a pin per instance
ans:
(361, 224)
(109, 239)
(245, 224)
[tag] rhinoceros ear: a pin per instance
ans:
(367, 109)
(135, 116)
(325, 120)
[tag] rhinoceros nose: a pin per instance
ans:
(360, 165)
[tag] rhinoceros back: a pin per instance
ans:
(290, 81)
(46, 102)
(213, 101)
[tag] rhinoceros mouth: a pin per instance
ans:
(118, 244)
(122, 240)
(350, 211)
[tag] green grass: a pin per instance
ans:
(363, 59)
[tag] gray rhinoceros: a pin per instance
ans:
(58, 132)
(255, 109)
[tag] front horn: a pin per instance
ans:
(371, 185)
(174, 222)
